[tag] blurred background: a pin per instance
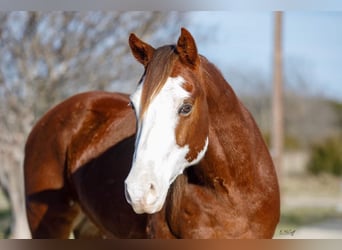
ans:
(286, 67)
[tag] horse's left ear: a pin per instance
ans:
(142, 51)
(186, 48)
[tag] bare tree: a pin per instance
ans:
(47, 57)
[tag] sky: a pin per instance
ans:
(312, 44)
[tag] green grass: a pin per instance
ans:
(5, 217)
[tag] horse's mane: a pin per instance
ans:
(175, 193)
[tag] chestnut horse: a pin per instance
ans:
(196, 168)
(76, 159)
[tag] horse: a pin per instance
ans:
(180, 158)
(81, 150)
(190, 123)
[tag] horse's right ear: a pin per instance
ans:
(186, 48)
(142, 51)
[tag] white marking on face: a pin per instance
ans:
(158, 159)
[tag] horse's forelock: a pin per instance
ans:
(157, 72)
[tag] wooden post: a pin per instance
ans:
(277, 99)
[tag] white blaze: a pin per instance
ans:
(157, 160)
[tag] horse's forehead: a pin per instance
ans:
(171, 80)
(189, 77)
(170, 92)
(177, 71)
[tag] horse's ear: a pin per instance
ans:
(142, 51)
(186, 48)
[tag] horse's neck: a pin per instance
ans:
(228, 158)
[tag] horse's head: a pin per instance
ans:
(171, 112)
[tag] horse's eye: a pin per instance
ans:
(185, 109)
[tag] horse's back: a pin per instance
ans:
(50, 139)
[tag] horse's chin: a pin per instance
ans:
(147, 209)
(141, 207)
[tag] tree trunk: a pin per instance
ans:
(277, 101)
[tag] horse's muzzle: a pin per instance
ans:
(143, 198)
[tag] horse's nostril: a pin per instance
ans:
(152, 187)
(141, 196)
(128, 197)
